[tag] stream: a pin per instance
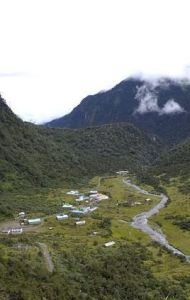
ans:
(140, 221)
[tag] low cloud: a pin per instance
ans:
(148, 102)
(171, 107)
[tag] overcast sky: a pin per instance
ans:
(53, 53)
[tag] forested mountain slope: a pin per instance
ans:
(32, 155)
(176, 162)
(162, 107)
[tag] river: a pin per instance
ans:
(140, 221)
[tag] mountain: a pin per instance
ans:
(35, 156)
(172, 167)
(32, 155)
(176, 162)
(161, 106)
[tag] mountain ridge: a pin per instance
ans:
(155, 106)
(32, 155)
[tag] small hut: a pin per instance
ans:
(34, 221)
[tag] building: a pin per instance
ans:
(93, 192)
(122, 173)
(98, 197)
(22, 214)
(148, 200)
(16, 230)
(82, 210)
(109, 244)
(78, 211)
(13, 231)
(93, 196)
(93, 208)
(34, 221)
(82, 198)
(67, 206)
(62, 217)
(80, 222)
(74, 193)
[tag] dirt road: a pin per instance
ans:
(47, 256)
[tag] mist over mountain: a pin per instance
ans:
(160, 106)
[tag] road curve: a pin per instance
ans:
(140, 221)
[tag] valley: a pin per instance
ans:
(111, 221)
(73, 227)
(95, 150)
(140, 221)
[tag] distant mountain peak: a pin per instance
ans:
(159, 105)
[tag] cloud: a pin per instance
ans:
(12, 74)
(172, 107)
(148, 102)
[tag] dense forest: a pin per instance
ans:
(173, 162)
(37, 156)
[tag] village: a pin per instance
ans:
(85, 203)
(74, 210)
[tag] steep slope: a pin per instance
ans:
(176, 162)
(172, 167)
(161, 107)
(36, 156)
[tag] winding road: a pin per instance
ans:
(140, 221)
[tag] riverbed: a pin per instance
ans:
(140, 221)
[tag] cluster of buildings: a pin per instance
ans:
(88, 197)
(78, 211)
(92, 198)
(25, 221)
(20, 227)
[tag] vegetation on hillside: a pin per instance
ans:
(173, 164)
(37, 156)
(176, 162)
(84, 273)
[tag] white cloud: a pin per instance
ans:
(148, 102)
(171, 107)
